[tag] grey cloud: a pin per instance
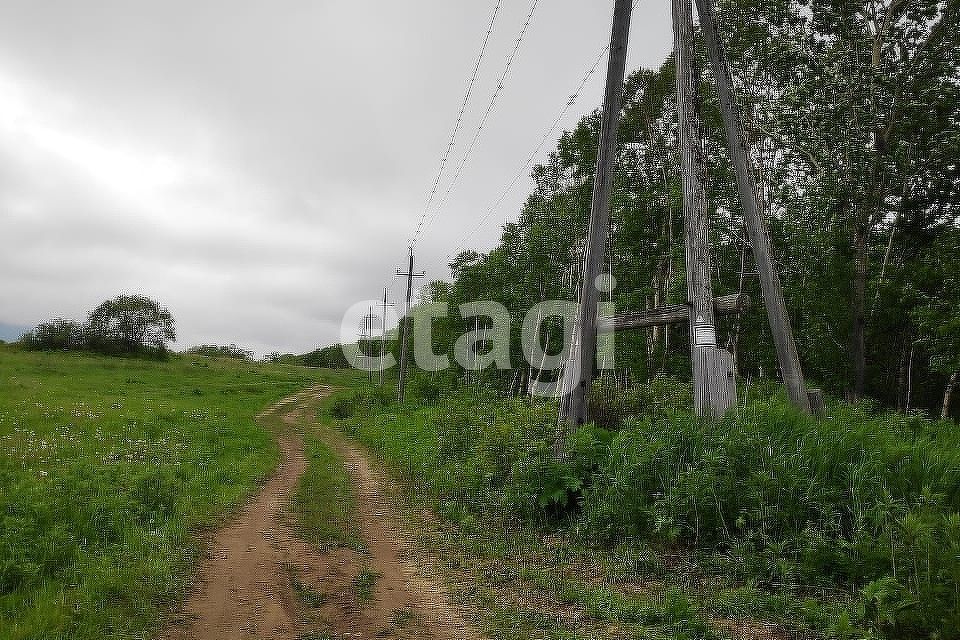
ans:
(301, 138)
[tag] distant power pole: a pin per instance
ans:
(777, 315)
(579, 376)
(383, 333)
(367, 335)
(405, 324)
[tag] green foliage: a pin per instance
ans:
(326, 358)
(55, 335)
(219, 351)
(130, 324)
(364, 583)
(852, 110)
(346, 404)
(282, 358)
(863, 501)
(425, 389)
(324, 501)
(343, 407)
(610, 405)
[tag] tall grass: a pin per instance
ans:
(862, 503)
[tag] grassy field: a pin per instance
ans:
(108, 469)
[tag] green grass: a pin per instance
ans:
(523, 583)
(109, 467)
(325, 502)
(402, 618)
(307, 595)
(364, 583)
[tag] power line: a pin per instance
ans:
(456, 128)
(501, 82)
(571, 100)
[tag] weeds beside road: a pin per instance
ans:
(764, 524)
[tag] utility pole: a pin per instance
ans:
(405, 324)
(370, 338)
(705, 357)
(579, 373)
(383, 333)
(367, 335)
(756, 227)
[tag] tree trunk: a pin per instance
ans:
(858, 357)
(913, 348)
(902, 373)
(947, 394)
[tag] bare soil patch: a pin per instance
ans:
(260, 580)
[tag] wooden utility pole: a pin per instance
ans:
(383, 333)
(705, 357)
(579, 373)
(365, 343)
(405, 324)
(368, 334)
(756, 227)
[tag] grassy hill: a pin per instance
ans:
(108, 468)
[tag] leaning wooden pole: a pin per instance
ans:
(756, 227)
(704, 354)
(579, 373)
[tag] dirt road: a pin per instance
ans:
(262, 581)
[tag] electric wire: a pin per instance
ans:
(501, 83)
(459, 122)
(571, 101)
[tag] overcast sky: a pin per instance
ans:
(259, 166)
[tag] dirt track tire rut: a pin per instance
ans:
(251, 584)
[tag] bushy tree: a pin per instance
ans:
(130, 324)
(937, 313)
(852, 114)
(57, 334)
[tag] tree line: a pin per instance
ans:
(125, 325)
(853, 122)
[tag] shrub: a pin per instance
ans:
(326, 358)
(55, 335)
(610, 406)
(862, 501)
(853, 499)
(424, 389)
(128, 324)
(216, 351)
(343, 407)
